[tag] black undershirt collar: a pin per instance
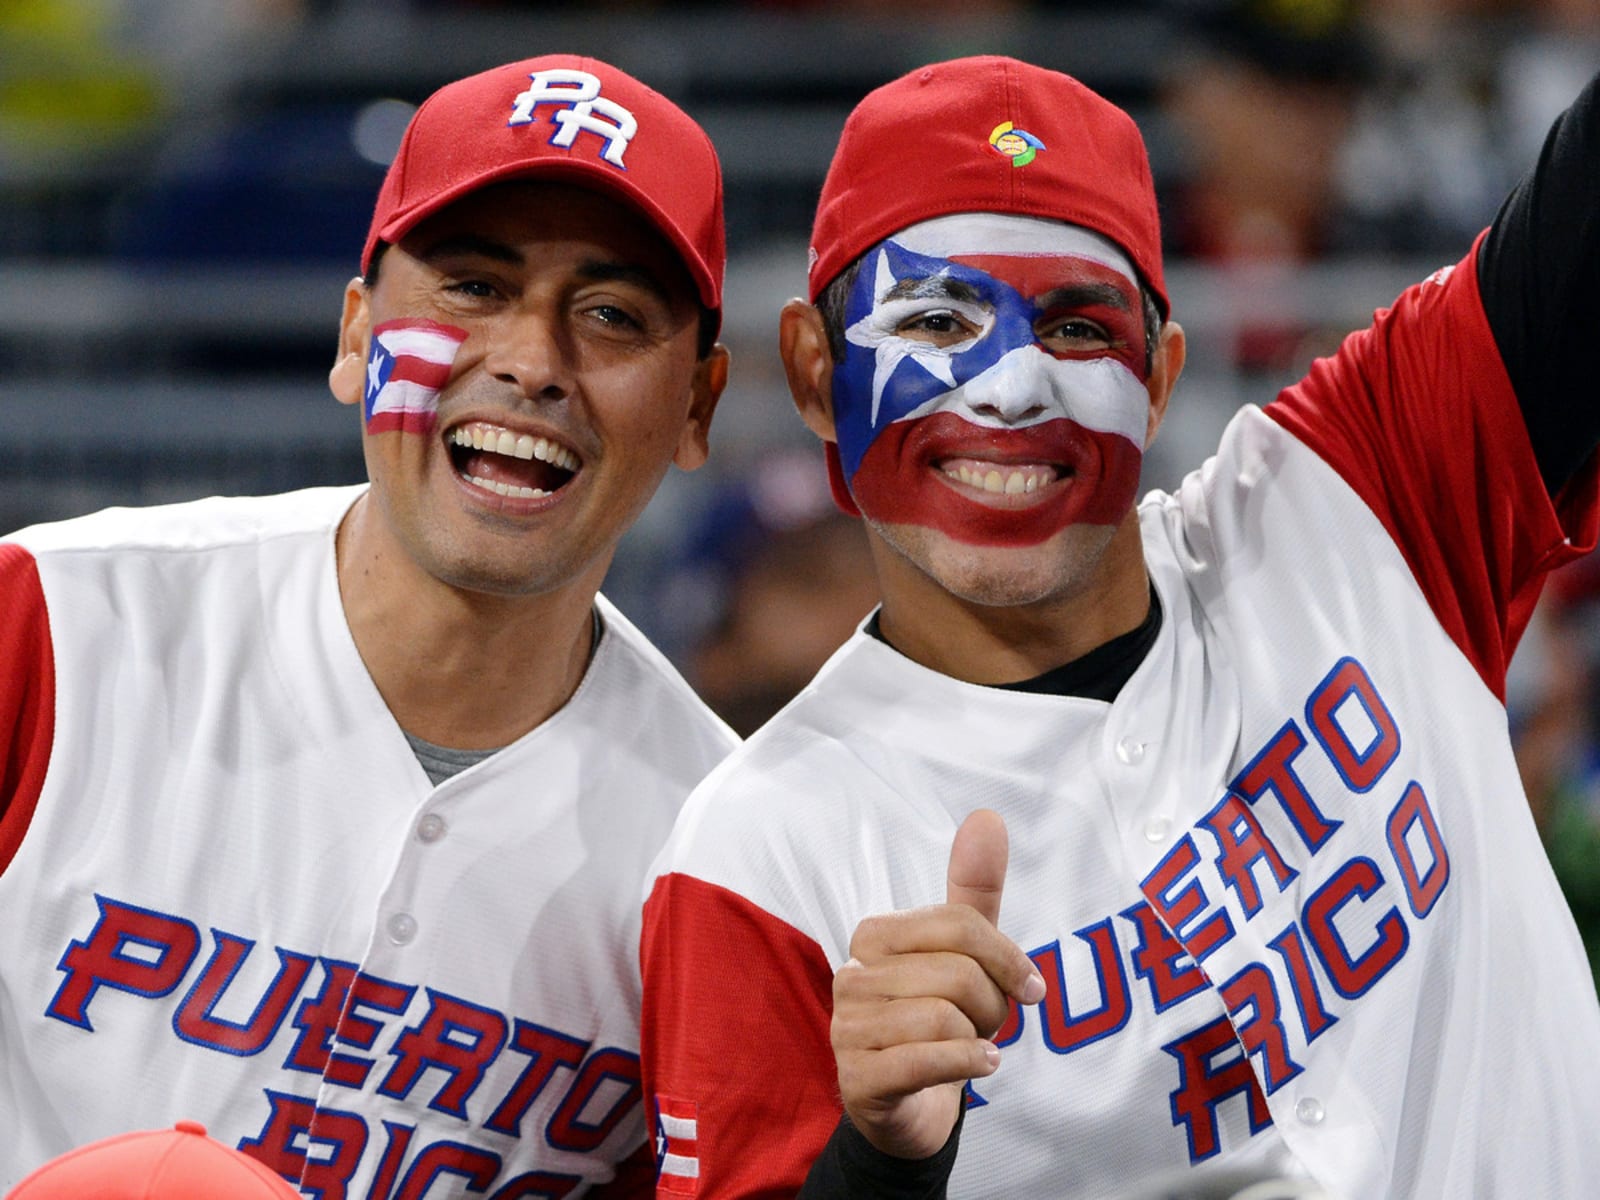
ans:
(1097, 675)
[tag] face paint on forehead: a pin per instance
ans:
(408, 364)
(1004, 234)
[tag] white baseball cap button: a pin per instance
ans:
(402, 928)
(431, 828)
(1129, 750)
(1310, 1111)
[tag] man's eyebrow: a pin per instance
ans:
(606, 271)
(931, 287)
(471, 245)
(1080, 295)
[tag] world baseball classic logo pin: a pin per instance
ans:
(1020, 146)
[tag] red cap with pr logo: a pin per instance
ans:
(986, 134)
(181, 1163)
(565, 118)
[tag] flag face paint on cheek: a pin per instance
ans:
(408, 363)
(993, 385)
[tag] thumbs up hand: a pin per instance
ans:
(922, 994)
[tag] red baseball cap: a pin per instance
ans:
(562, 117)
(180, 1163)
(986, 134)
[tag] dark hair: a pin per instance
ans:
(705, 340)
(832, 300)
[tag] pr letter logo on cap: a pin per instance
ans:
(581, 108)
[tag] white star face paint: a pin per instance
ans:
(986, 347)
(408, 364)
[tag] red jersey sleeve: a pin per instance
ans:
(27, 695)
(1417, 414)
(738, 1069)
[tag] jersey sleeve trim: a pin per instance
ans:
(1417, 414)
(27, 696)
(738, 1069)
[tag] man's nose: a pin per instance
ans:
(532, 350)
(1014, 389)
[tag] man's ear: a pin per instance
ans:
(808, 365)
(348, 378)
(1165, 367)
(710, 378)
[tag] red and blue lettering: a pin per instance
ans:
(1254, 991)
(1272, 770)
(453, 1036)
(611, 1069)
(196, 1020)
(1423, 888)
(1063, 1031)
(130, 949)
(1161, 961)
(1178, 905)
(1204, 1084)
(1359, 766)
(1356, 880)
(1241, 844)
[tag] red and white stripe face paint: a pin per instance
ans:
(994, 383)
(408, 364)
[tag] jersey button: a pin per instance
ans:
(1156, 829)
(1130, 750)
(1310, 1111)
(431, 828)
(402, 928)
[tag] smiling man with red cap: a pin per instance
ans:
(1236, 757)
(323, 816)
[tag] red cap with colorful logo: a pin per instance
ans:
(181, 1163)
(565, 118)
(986, 134)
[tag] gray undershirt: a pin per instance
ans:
(441, 762)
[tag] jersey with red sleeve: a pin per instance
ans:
(1285, 890)
(234, 896)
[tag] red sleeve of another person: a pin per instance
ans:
(739, 1076)
(27, 695)
(1418, 415)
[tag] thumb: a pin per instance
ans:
(978, 856)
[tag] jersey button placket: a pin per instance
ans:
(401, 928)
(431, 828)
(1308, 1110)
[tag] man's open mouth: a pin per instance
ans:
(517, 465)
(1001, 479)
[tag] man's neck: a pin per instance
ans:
(1005, 644)
(467, 670)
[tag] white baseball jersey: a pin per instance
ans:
(1285, 890)
(232, 894)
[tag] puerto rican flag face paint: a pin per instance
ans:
(408, 363)
(1006, 353)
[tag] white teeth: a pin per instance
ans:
(506, 489)
(1007, 483)
(558, 455)
(524, 446)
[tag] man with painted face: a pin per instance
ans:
(323, 816)
(1236, 757)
